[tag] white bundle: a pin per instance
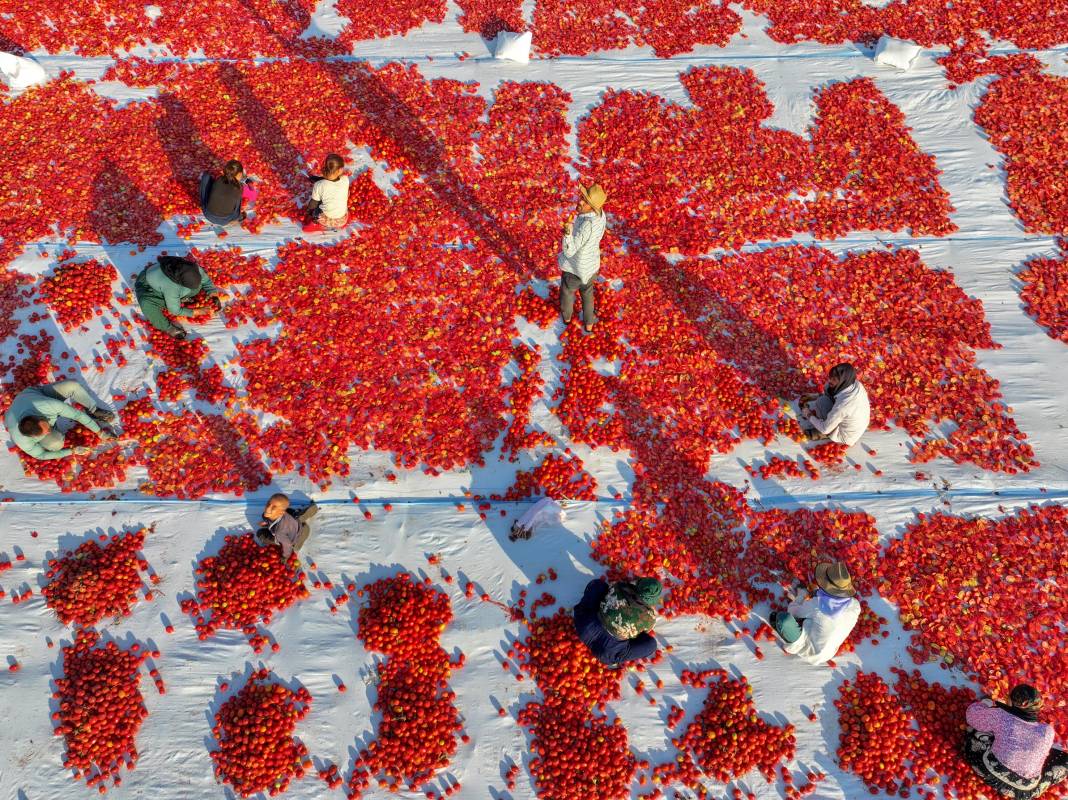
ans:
(897, 53)
(21, 73)
(513, 46)
(544, 512)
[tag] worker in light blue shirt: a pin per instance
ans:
(34, 412)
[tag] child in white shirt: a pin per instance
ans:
(328, 208)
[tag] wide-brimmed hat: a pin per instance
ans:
(595, 196)
(833, 577)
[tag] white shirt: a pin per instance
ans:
(333, 196)
(821, 634)
(848, 418)
(580, 250)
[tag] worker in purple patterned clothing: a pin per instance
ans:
(1011, 749)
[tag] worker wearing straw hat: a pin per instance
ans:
(815, 627)
(580, 255)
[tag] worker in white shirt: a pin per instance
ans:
(580, 255)
(815, 627)
(841, 413)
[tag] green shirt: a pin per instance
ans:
(33, 403)
(174, 293)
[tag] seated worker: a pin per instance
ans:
(31, 420)
(221, 198)
(285, 526)
(614, 621)
(328, 208)
(815, 627)
(165, 285)
(1009, 748)
(842, 413)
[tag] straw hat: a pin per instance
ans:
(595, 196)
(833, 577)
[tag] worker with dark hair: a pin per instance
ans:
(31, 419)
(1009, 747)
(285, 526)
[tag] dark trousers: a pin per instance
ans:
(569, 284)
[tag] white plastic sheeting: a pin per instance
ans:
(984, 256)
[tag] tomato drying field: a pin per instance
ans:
(778, 203)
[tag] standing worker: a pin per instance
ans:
(32, 418)
(580, 255)
(165, 286)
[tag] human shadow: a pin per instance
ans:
(121, 212)
(266, 133)
(762, 360)
(403, 125)
(186, 151)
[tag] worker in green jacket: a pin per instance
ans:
(165, 285)
(31, 420)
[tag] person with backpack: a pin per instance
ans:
(1010, 748)
(615, 620)
(165, 285)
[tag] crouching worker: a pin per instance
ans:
(1009, 748)
(221, 198)
(285, 526)
(165, 285)
(815, 627)
(842, 413)
(328, 208)
(614, 621)
(32, 418)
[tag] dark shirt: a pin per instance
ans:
(284, 530)
(224, 199)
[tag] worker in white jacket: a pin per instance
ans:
(815, 627)
(842, 413)
(580, 255)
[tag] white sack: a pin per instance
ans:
(544, 512)
(513, 46)
(21, 73)
(897, 53)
